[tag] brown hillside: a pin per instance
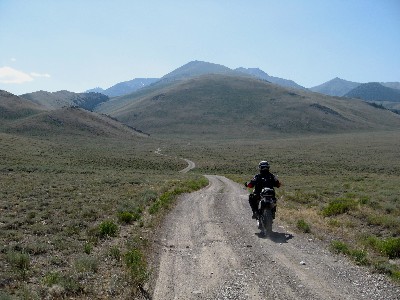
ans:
(71, 121)
(12, 107)
(228, 106)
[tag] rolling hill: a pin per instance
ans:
(21, 116)
(232, 106)
(12, 107)
(62, 99)
(374, 91)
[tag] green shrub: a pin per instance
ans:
(303, 226)
(128, 217)
(137, 266)
(19, 260)
(390, 247)
(87, 248)
(108, 228)
(338, 206)
(340, 247)
(52, 278)
(395, 274)
(359, 256)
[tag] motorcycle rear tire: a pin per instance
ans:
(266, 221)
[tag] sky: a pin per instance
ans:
(77, 45)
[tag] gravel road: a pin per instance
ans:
(209, 248)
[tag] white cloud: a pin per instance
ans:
(40, 75)
(10, 75)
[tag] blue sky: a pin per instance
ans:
(76, 45)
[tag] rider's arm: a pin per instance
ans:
(252, 183)
(249, 185)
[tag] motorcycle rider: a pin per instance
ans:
(264, 179)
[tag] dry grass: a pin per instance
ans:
(61, 199)
(55, 194)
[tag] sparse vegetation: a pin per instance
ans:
(83, 197)
(137, 266)
(338, 206)
(79, 198)
(303, 226)
(108, 228)
(359, 256)
(345, 186)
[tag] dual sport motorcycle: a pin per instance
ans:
(266, 211)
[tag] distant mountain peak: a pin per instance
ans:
(196, 68)
(335, 87)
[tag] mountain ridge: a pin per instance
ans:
(374, 91)
(125, 87)
(60, 99)
(225, 105)
(258, 73)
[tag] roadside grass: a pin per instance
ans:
(68, 207)
(303, 226)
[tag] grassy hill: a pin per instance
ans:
(62, 99)
(24, 117)
(375, 91)
(12, 107)
(229, 106)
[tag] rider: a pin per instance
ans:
(260, 181)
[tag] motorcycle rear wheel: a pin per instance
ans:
(266, 222)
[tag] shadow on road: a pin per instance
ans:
(277, 237)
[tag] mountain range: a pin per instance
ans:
(197, 100)
(125, 87)
(231, 106)
(335, 87)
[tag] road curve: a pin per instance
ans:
(191, 165)
(209, 248)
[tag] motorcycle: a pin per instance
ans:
(266, 211)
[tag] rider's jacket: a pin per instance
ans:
(263, 180)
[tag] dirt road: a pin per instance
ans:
(209, 248)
